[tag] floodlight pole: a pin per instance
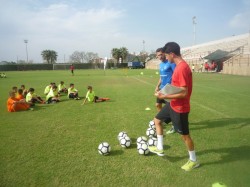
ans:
(194, 24)
(143, 43)
(26, 43)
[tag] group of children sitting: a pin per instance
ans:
(22, 99)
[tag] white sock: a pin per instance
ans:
(160, 142)
(192, 155)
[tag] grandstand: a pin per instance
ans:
(229, 55)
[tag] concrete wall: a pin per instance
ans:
(239, 65)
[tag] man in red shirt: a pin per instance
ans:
(72, 69)
(178, 109)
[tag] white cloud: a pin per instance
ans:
(65, 29)
(241, 20)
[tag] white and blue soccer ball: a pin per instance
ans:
(121, 135)
(104, 148)
(125, 141)
(143, 149)
(151, 132)
(141, 140)
(152, 141)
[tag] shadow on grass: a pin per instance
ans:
(226, 155)
(240, 122)
(116, 152)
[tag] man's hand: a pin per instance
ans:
(159, 95)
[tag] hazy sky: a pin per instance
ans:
(100, 25)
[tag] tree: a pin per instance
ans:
(78, 57)
(119, 53)
(49, 56)
(124, 53)
(90, 57)
(83, 57)
(116, 54)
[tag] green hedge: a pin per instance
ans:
(28, 67)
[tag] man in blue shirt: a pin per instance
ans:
(166, 71)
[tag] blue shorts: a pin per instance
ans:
(179, 120)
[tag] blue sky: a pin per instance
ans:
(100, 25)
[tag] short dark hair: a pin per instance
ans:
(172, 47)
(20, 91)
(54, 87)
(159, 50)
(31, 90)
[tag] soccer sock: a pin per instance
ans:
(192, 156)
(160, 142)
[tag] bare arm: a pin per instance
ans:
(84, 101)
(179, 95)
(157, 88)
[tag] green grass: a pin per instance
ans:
(56, 145)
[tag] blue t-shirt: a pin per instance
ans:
(166, 72)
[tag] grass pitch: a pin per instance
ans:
(56, 144)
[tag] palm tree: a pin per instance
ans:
(116, 54)
(119, 53)
(49, 56)
(123, 53)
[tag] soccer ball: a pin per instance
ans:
(121, 135)
(104, 148)
(141, 140)
(143, 149)
(152, 124)
(151, 132)
(125, 141)
(152, 141)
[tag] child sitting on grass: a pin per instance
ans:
(91, 97)
(15, 105)
(24, 90)
(53, 96)
(32, 98)
(62, 88)
(73, 92)
(20, 95)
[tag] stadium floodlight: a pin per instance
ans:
(194, 24)
(26, 43)
(143, 44)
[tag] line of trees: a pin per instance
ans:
(83, 57)
(119, 55)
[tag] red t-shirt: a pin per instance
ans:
(182, 77)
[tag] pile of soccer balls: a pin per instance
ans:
(124, 140)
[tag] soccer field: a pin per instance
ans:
(56, 144)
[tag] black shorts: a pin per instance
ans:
(73, 95)
(180, 120)
(161, 101)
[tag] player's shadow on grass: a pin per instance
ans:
(223, 122)
(227, 154)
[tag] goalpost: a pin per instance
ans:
(61, 66)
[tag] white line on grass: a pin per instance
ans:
(198, 104)
(223, 90)
(211, 109)
(151, 84)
